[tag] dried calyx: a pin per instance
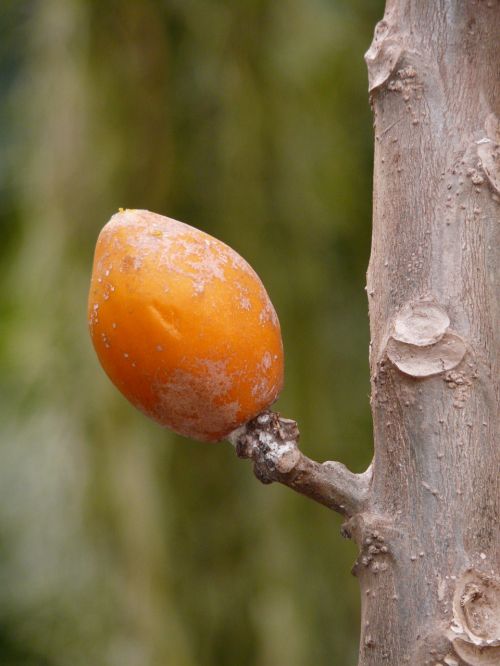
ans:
(271, 441)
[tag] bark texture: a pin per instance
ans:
(426, 515)
(432, 596)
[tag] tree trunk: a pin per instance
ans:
(430, 531)
(426, 514)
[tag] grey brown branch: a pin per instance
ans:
(271, 442)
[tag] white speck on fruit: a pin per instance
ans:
(266, 361)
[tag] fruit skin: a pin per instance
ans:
(182, 325)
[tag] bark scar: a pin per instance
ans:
(421, 343)
(475, 628)
(382, 56)
(488, 152)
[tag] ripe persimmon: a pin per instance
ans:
(183, 326)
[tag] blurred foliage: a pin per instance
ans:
(120, 543)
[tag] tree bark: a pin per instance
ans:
(426, 514)
(433, 596)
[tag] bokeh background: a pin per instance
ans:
(120, 543)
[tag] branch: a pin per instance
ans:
(272, 443)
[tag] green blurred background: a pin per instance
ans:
(120, 543)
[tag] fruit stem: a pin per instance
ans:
(271, 442)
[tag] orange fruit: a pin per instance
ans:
(183, 326)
